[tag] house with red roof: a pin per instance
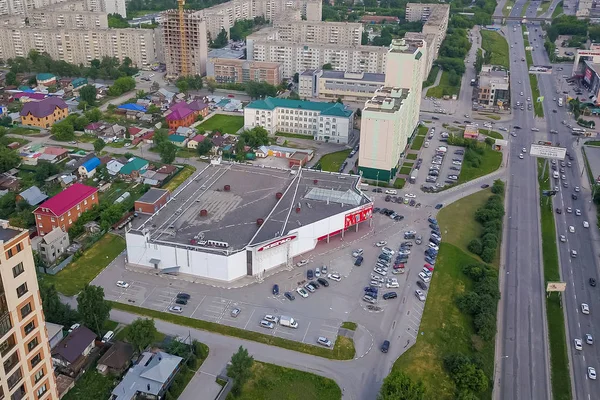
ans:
(184, 114)
(44, 113)
(65, 208)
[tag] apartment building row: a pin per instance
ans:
(227, 70)
(20, 7)
(391, 116)
(69, 31)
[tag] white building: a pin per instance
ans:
(389, 119)
(329, 122)
(331, 85)
(246, 221)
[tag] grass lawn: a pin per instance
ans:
(432, 76)
(223, 123)
(181, 176)
(186, 153)
(80, 272)
(444, 88)
(496, 44)
(109, 326)
(412, 156)
(544, 7)
(405, 170)
(494, 117)
(558, 10)
(535, 93)
(294, 135)
(349, 325)
(506, 11)
(422, 130)
(525, 8)
(92, 385)
(272, 382)
(460, 234)
(444, 329)
(492, 134)
(559, 360)
(333, 161)
(529, 59)
(19, 130)
(592, 143)
(417, 142)
(399, 183)
(342, 350)
(490, 162)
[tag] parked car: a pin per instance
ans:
(289, 296)
(275, 290)
(176, 309)
(390, 295)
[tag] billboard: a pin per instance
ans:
(358, 216)
(588, 75)
(277, 242)
(556, 287)
(543, 151)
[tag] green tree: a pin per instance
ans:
(121, 85)
(327, 66)
(63, 131)
(153, 109)
(168, 152)
(88, 94)
(182, 85)
(399, 386)
(220, 41)
(80, 123)
(94, 115)
(83, 105)
(56, 311)
(364, 40)
(11, 79)
(99, 144)
(211, 85)
(296, 77)
(204, 147)
(255, 137)
(92, 307)
(239, 369)
(155, 86)
(45, 170)
(8, 159)
(141, 333)
(475, 246)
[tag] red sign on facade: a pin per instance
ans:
(278, 242)
(358, 216)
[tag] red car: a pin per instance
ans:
(230, 95)
(429, 267)
(398, 266)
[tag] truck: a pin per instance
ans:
(414, 175)
(560, 102)
(288, 321)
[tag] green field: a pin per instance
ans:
(492, 134)
(444, 88)
(294, 135)
(417, 142)
(496, 44)
(558, 10)
(412, 156)
(535, 93)
(181, 176)
(270, 381)
(223, 123)
(559, 360)
(544, 7)
(399, 183)
(80, 272)
(525, 8)
(490, 162)
(405, 170)
(333, 161)
(92, 385)
(529, 59)
(506, 11)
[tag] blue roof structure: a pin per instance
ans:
(132, 107)
(332, 109)
(91, 164)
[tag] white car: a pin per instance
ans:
(578, 345)
(420, 295)
(586, 224)
(302, 292)
(73, 327)
(391, 191)
(577, 188)
(387, 250)
(369, 299)
(569, 209)
(574, 253)
(317, 272)
(271, 318)
(563, 238)
(381, 243)
(375, 284)
(433, 246)
(357, 252)
(302, 263)
(425, 278)
(410, 196)
(585, 309)
(571, 229)
(592, 373)
(122, 284)
(393, 284)
(380, 271)
(322, 340)
(335, 277)
(267, 324)
(377, 278)
(176, 309)
(589, 339)
(524, 150)
(521, 156)
(578, 212)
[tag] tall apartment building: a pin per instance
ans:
(194, 52)
(24, 344)
(107, 6)
(299, 49)
(16, 7)
(435, 18)
(69, 32)
(389, 118)
(227, 70)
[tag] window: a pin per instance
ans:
(18, 269)
(31, 345)
(26, 310)
(11, 361)
(29, 327)
(36, 360)
(19, 247)
(21, 290)
(39, 375)
(7, 345)
(41, 390)
(10, 253)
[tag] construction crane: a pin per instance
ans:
(184, 59)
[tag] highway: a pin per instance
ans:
(522, 357)
(575, 271)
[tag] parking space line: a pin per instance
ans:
(305, 333)
(147, 297)
(250, 318)
(195, 309)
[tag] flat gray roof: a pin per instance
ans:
(232, 215)
(152, 195)
(226, 53)
(367, 76)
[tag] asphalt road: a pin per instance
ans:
(575, 271)
(522, 356)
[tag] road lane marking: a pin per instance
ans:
(305, 333)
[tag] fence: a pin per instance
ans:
(226, 388)
(57, 268)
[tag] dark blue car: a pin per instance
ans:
(276, 290)
(310, 274)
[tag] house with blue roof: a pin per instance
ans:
(88, 168)
(327, 122)
(132, 107)
(178, 140)
(45, 79)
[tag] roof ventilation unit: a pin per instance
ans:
(203, 213)
(278, 195)
(260, 221)
(227, 188)
(316, 181)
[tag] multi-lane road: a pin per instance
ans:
(523, 355)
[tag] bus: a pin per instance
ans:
(578, 131)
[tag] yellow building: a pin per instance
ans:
(44, 113)
(24, 343)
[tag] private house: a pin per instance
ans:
(150, 377)
(88, 168)
(185, 131)
(134, 168)
(195, 141)
(95, 128)
(167, 170)
(154, 178)
(45, 79)
(184, 114)
(112, 131)
(55, 154)
(53, 245)
(78, 83)
(44, 113)
(32, 196)
(114, 167)
(152, 201)
(8, 182)
(178, 140)
(55, 333)
(70, 354)
(65, 208)
(116, 359)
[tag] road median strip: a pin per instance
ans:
(342, 350)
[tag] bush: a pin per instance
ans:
(498, 187)
(488, 254)
(475, 246)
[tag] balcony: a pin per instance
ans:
(19, 393)
(14, 379)
(7, 345)
(11, 362)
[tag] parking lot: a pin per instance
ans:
(322, 312)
